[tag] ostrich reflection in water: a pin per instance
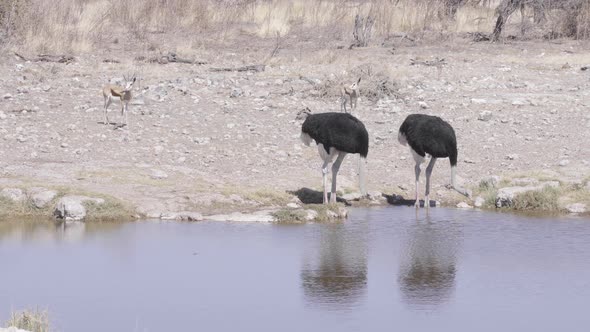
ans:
(427, 272)
(335, 274)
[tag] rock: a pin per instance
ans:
(261, 94)
(292, 205)
(7, 96)
(479, 201)
(564, 162)
(13, 194)
(352, 196)
(311, 215)
(182, 216)
(520, 102)
(2, 116)
(463, 205)
(202, 140)
(158, 149)
(331, 214)
(423, 104)
(512, 156)
(485, 116)
(158, 174)
(479, 101)
(71, 208)
(260, 216)
(40, 197)
(576, 208)
(236, 92)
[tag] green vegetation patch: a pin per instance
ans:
(546, 199)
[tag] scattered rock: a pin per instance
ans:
(485, 116)
(576, 208)
(40, 197)
(71, 208)
(13, 194)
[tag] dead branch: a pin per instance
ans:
(252, 68)
(48, 58)
(436, 62)
(173, 57)
(363, 28)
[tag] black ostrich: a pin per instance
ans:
(431, 135)
(336, 135)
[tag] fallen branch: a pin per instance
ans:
(173, 57)
(252, 68)
(436, 62)
(48, 58)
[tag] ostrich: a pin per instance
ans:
(336, 134)
(431, 135)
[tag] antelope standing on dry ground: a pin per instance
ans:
(349, 94)
(111, 91)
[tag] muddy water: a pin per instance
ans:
(383, 269)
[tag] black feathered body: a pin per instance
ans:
(429, 134)
(341, 131)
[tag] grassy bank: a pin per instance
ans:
(112, 209)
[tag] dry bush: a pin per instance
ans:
(84, 25)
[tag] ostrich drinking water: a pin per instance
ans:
(336, 134)
(426, 134)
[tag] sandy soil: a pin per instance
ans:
(202, 140)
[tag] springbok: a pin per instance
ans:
(111, 91)
(349, 94)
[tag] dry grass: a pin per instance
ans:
(78, 26)
(30, 320)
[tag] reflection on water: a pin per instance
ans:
(336, 273)
(428, 265)
(381, 269)
(55, 232)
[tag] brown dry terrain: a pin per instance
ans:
(206, 141)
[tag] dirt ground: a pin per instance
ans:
(208, 141)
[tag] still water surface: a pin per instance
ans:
(383, 269)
